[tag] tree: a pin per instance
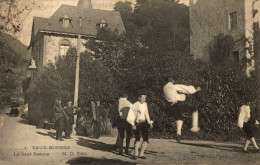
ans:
(55, 79)
(8, 84)
(157, 23)
(96, 81)
(11, 11)
(126, 11)
(220, 48)
(135, 68)
(12, 52)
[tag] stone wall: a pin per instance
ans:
(37, 50)
(208, 19)
(52, 46)
(257, 57)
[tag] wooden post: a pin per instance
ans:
(76, 92)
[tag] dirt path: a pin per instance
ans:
(23, 144)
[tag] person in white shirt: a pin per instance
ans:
(124, 107)
(175, 94)
(143, 124)
(246, 121)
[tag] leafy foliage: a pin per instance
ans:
(8, 84)
(224, 86)
(58, 79)
(143, 59)
(96, 81)
(11, 12)
(54, 80)
(157, 23)
(220, 48)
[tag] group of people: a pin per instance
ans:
(138, 118)
(175, 94)
(133, 117)
(64, 118)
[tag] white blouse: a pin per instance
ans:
(123, 102)
(176, 92)
(244, 115)
(139, 112)
(142, 109)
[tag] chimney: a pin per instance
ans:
(85, 3)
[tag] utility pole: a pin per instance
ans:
(76, 92)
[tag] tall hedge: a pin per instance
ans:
(123, 64)
(224, 88)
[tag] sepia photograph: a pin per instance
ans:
(129, 82)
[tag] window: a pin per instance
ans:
(37, 55)
(64, 47)
(40, 54)
(235, 57)
(66, 20)
(233, 20)
(34, 52)
(102, 24)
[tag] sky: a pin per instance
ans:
(45, 8)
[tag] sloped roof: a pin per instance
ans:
(38, 22)
(89, 20)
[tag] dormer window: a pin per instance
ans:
(66, 20)
(102, 24)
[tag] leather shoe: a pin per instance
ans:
(178, 138)
(245, 151)
(142, 157)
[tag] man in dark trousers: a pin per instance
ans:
(114, 115)
(97, 120)
(69, 110)
(59, 119)
(175, 94)
(123, 126)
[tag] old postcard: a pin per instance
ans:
(158, 82)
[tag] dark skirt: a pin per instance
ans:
(249, 129)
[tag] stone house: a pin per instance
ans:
(52, 37)
(208, 18)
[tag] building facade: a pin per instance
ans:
(52, 37)
(208, 18)
(237, 18)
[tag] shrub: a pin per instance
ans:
(223, 91)
(220, 48)
(123, 64)
(58, 79)
(52, 81)
(8, 84)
